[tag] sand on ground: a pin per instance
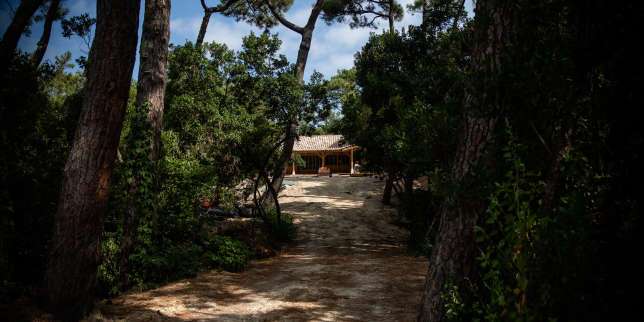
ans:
(348, 263)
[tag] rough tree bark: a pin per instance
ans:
(290, 130)
(16, 28)
(452, 259)
(153, 63)
(52, 15)
(75, 247)
(155, 39)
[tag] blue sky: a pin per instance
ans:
(333, 46)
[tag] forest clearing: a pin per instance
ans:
(349, 262)
(321, 160)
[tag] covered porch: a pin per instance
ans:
(322, 151)
(337, 161)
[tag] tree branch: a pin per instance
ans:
(283, 20)
(219, 8)
(313, 17)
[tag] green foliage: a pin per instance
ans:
(224, 110)
(281, 227)
(403, 105)
(361, 13)
(404, 118)
(227, 253)
(454, 303)
(562, 220)
(37, 118)
(78, 25)
(108, 270)
(546, 250)
(543, 242)
(509, 235)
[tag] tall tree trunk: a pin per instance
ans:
(150, 95)
(52, 15)
(425, 14)
(155, 40)
(452, 259)
(390, 18)
(75, 247)
(303, 54)
(19, 23)
(204, 27)
(290, 130)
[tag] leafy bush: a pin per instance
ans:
(108, 270)
(38, 113)
(227, 253)
(281, 228)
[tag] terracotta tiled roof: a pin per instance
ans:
(327, 142)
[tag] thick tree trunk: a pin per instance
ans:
(18, 24)
(52, 15)
(452, 259)
(150, 95)
(155, 40)
(75, 247)
(204, 27)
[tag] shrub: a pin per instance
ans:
(227, 253)
(108, 272)
(281, 227)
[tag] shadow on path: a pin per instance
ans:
(348, 263)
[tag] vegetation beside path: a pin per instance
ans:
(349, 262)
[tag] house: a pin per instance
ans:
(328, 150)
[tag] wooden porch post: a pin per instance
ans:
(323, 157)
(293, 167)
(351, 161)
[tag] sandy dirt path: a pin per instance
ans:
(348, 263)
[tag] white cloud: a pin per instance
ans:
(300, 16)
(185, 25)
(343, 35)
